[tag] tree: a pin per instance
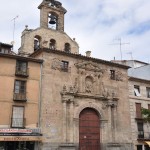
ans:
(146, 114)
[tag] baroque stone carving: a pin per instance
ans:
(119, 76)
(56, 64)
(90, 66)
(109, 92)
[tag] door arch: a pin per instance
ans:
(89, 130)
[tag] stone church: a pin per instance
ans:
(83, 100)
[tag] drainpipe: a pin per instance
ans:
(40, 102)
(40, 95)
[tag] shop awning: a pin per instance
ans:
(20, 138)
(147, 142)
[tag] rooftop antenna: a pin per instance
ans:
(14, 20)
(130, 53)
(120, 45)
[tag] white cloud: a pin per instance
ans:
(95, 24)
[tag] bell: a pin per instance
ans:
(52, 20)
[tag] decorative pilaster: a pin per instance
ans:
(64, 121)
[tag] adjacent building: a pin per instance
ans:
(139, 97)
(20, 83)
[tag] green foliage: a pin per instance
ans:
(146, 114)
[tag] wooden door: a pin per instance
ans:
(89, 130)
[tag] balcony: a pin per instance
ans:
(20, 97)
(17, 122)
(22, 72)
(141, 135)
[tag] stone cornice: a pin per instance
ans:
(78, 56)
(21, 58)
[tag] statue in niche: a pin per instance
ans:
(88, 84)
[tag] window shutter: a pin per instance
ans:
(138, 110)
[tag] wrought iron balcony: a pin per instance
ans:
(20, 97)
(18, 122)
(22, 72)
(141, 135)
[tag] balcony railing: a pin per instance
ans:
(141, 135)
(17, 122)
(20, 97)
(22, 72)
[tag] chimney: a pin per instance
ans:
(88, 53)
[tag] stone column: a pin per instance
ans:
(71, 122)
(112, 112)
(76, 130)
(109, 122)
(64, 122)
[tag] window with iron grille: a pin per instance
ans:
(21, 68)
(64, 66)
(140, 130)
(148, 92)
(20, 86)
(20, 91)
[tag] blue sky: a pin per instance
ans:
(97, 25)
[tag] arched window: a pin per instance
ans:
(37, 41)
(67, 48)
(52, 44)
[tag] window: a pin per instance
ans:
(52, 44)
(149, 106)
(139, 147)
(137, 90)
(112, 74)
(148, 92)
(17, 117)
(67, 48)
(20, 86)
(140, 130)
(21, 68)
(20, 90)
(64, 66)
(4, 50)
(138, 110)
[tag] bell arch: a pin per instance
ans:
(67, 47)
(52, 44)
(37, 42)
(53, 20)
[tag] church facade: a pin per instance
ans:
(84, 101)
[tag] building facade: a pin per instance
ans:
(20, 79)
(84, 100)
(139, 97)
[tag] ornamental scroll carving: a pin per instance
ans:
(56, 64)
(90, 67)
(60, 65)
(109, 92)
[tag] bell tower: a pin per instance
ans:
(50, 34)
(52, 15)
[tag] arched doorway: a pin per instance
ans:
(89, 130)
